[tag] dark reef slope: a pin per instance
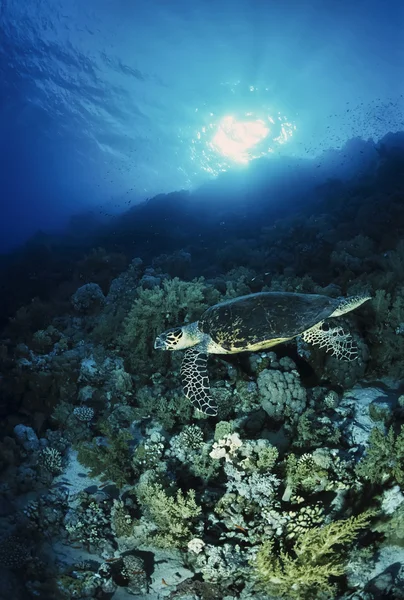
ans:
(276, 215)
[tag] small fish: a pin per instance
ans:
(254, 278)
(164, 581)
(240, 528)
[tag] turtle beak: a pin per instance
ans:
(159, 343)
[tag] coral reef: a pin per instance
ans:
(306, 573)
(113, 485)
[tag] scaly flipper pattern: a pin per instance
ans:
(333, 339)
(195, 381)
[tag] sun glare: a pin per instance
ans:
(234, 139)
(249, 128)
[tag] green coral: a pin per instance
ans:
(148, 454)
(379, 413)
(261, 457)
(111, 461)
(174, 516)
(315, 431)
(223, 429)
(121, 520)
(201, 464)
(392, 526)
(157, 309)
(303, 474)
(305, 572)
(384, 457)
(169, 408)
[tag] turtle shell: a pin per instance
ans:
(261, 320)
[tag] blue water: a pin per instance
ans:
(105, 103)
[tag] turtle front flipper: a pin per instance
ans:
(333, 339)
(195, 381)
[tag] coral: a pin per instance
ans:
(384, 457)
(313, 430)
(223, 429)
(121, 520)
(111, 459)
(351, 254)
(317, 557)
(157, 309)
(25, 479)
(258, 456)
(89, 522)
(331, 399)
(178, 264)
(201, 464)
(256, 488)
(27, 437)
(196, 545)
(227, 564)
(247, 474)
(75, 422)
(100, 266)
(323, 470)
(246, 398)
(88, 298)
(43, 340)
(391, 526)
(84, 413)
(45, 514)
(191, 437)
(187, 444)
(168, 407)
(148, 454)
(51, 460)
(134, 571)
(174, 516)
(226, 447)
(387, 344)
(391, 500)
(282, 395)
(61, 412)
(300, 521)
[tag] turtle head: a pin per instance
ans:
(177, 338)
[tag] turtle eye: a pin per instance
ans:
(168, 340)
(173, 336)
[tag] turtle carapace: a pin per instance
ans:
(256, 322)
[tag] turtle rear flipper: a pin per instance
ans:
(195, 381)
(333, 339)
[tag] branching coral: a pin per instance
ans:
(306, 571)
(314, 430)
(89, 522)
(112, 459)
(384, 457)
(156, 309)
(174, 517)
(169, 408)
(322, 470)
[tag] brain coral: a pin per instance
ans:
(281, 394)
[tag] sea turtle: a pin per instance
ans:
(256, 322)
